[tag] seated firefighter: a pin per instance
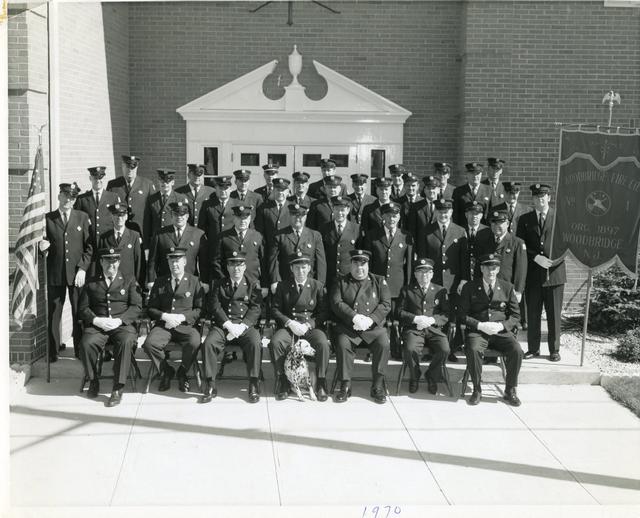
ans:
(234, 304)
(175, 303)
(489, 309)
(109, 305)
(299, 307)
(361, 302)
(423, 310)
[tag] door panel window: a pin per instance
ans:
(277, 158)
(340, 160)
(250, 159)
(311, 160)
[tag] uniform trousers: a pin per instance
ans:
(57, 296)
(505, 342)
(282, 340)
(376, 339)
(414, 341)
(213, 350)
(93, 341)
(551, 298)
(183, 335)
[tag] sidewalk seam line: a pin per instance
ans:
(274, 453)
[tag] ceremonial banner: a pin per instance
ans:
(598, 199)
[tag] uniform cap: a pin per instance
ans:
(299, 257)
(70, 189)
(340, 201)
(166, 174)
(327, 164)
(442, 167)
(490, 259)
(397, 169)
(242, 211)
(131, 161)
(431, 181)
(442, 204)
(540, 188)
(179, 208)
(242, 174)
(474, 206)
(359, 179)
(383, 182)
(496, 163)
(511, 187)
(118, 208)
(301, 177)
(176, 251)
(333, 181)
(409, 178)
(271, 168)
(197, 169)
(474, 167)
(390, 208)
(360, 255)
(110, 254)
(98, 171)
(423, 263)
(281, 183)
(297, 210)
(237, 257)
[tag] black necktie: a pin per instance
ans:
(242, 197)
(164, 200)
(235, 286)
(541, 221)
(490, 294)
(300, 286)
(118, 236)
(444, 231)
(64, 219)
(97, 199)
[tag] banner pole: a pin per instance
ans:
(586, 316)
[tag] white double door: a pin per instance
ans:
(294, 158)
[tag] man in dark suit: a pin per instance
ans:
(546, 277)
(133, 190)
(179, 235)
(293, 239)
(359, 199)
(371, 214)
(242, 195)
(300, 308)
(194, 193)
(270, 173)
(109, 305)
(423, 311)
(175, 304)
(515, 209)
(494, 172)
(317, 190)
(300, 189)
(488, 308)
(442, 171)
(273, 214)
(479, 237)
(69, 253)
(423, 213)
(127, 241)
(361, 302)
(234, 304)
(410, 198)
(321, 211)
(159, 207)
(216, 215)
(240, 238)
(339, 237)
(95, 203)
(396, 171)
(473, 190)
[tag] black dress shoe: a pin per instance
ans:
(115, 398)
(511, 397)
(378, 394)
(555, 357)
(344, 393)
(321, 389)
(452, 357)
(62, 347)
(475, 397)
(413, 386)
(432, 386)
(254, 394)
(53, 358)
(107, 356)
(528, 355)
(282, 389)
(94, 388)
(183, 380)
(165, 381)
(209, 392)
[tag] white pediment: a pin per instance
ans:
(244, 99)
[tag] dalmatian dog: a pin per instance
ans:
(297, 370)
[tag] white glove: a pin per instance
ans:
(44, 245)
(462, 283)
(358, 323)
(518, 296)
(367, 322)
(297, 328)
(171, 320)
(265, 292)
(101, 323)
(112, 323)
(273, 288)
(80, 276)
(543, 261)
(205, 287)
(490, 328)
(149, 286)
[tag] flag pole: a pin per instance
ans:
(586, 316)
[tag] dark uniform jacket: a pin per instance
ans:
(369, 297)
(122, 299)
(187, 299)
(320, 214)
(318, 191)
(307, 201)
(308, 307)
(136, 199)
(264, 192)
(474, 305)
(192, 239)
(462, 195)
(270, 221)
(71, 247)
(391, 260)
(371, 218)
(396, 195)
(421, 214)
(513, 260)
(481, 243)
(251, 198)
(185, 195)
(100, 217)
(537, 242)
(242, 305)
(158, 216)
(514, 216)
(405, 209)
(230, 244)
(433, 302)
(498, 195)
(449, 254)
(287, 243)
(131, 256)
(447, 194)
(337, 248)
(358, 206)
(214, 218)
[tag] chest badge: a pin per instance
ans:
(188, 294)
(508, 250)
(311, 302)
(191, 243)
(503, 305)
(400, 245)
(129, 245)
(140, 192)
(308, 245)
(353, 241)
(79, 228)
(122, 292)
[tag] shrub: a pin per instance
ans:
(628, 349)
(615, 305)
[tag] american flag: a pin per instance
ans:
(25, 282)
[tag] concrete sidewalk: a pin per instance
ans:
(566, 444)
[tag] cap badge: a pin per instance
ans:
(188, 294)
(235, 253)
(537, 186)
(299, 253)
(111, 250)
(296, 206)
